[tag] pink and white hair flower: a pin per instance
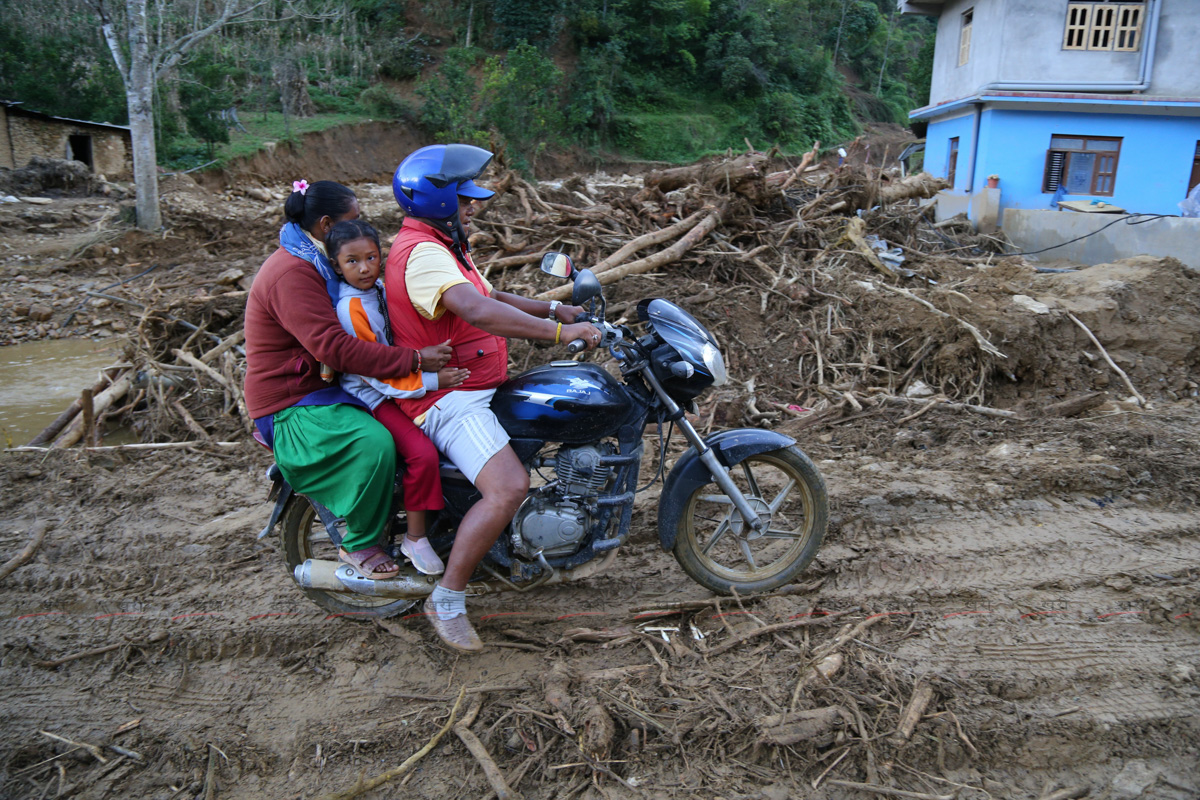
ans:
(300, 186)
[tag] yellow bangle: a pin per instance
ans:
(558, 333)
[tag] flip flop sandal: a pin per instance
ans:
(369, 561)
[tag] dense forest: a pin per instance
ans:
(654, 79)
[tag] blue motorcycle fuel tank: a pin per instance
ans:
(563, 401)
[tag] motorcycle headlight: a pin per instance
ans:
(716, 364)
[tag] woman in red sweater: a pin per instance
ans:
(325, 441)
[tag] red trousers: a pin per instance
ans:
(422, 479)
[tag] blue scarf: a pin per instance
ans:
(293, 239)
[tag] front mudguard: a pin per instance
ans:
(690, 473)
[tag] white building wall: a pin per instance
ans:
(1020, 41)
(1177, 63)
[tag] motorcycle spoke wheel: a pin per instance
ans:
(718, 549)
(304, 537)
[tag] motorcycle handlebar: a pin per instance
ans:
(576, 346)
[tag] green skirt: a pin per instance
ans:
(342, 458)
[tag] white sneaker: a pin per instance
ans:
(422, 556)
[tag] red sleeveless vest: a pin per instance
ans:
(484, 354)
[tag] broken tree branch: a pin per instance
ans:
(921, 697)
(491, 771)
(1128, 383)
(662, 257)
(776, 628)
(361, 787)
(36, 535)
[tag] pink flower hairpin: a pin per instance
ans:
(300, 186)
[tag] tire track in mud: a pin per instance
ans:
(898, 551)
(1051, 606)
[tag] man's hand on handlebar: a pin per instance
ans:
(434, 357)
(566, 314)
(588, 333)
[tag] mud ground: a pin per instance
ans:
(1040, 575)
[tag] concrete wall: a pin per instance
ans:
(6, 154)
(1152, 172)
(1175, 67)
(1031, 41)
(1033, 230)
(1021, 40)
(32, 136)
(950, 81)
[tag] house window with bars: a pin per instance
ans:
(1082, 165)
(1104, 26)
(964, 37)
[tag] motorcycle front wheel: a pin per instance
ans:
(719, 551)
(304, 537)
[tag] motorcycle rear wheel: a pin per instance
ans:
(719, 551)
(303, 537)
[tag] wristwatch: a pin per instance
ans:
(554, 304)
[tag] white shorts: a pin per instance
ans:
(462, 426)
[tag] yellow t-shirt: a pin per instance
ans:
(432, 270)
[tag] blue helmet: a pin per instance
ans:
(428, 183)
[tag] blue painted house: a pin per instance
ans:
(1070, 100)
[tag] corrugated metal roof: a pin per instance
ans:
(18, 106)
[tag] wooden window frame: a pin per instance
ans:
(1111, 26)
(964, 36)
(952, 161)
(1058, 161)
(1103, 30)
(1079, 22)
(1194, 179)
(1129, 23)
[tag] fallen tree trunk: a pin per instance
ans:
(56, 427)
(101, 402)
(646, 240)
(667, 256)
(921, 185)
(722, 175)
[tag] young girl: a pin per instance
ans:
(353, 249)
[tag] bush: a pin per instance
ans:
(401, 59)
(380, 101)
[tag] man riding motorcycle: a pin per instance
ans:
(435, 294)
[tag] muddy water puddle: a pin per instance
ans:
(38, 380)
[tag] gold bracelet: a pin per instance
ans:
(558, 333)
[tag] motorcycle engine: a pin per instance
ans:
(554, 520)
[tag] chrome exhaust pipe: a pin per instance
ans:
(334, 576)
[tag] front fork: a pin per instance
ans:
(707, 457)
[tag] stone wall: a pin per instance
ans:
(6, 153)
(26, 136)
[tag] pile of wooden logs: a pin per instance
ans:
(787, 225)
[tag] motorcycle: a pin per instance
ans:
(744, 510)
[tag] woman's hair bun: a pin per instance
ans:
(293, 207)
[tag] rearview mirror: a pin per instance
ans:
(586, 287)
(559, 265)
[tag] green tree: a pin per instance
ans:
(592, 94)
(521, 96)
(536, 21)
(449, 108)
